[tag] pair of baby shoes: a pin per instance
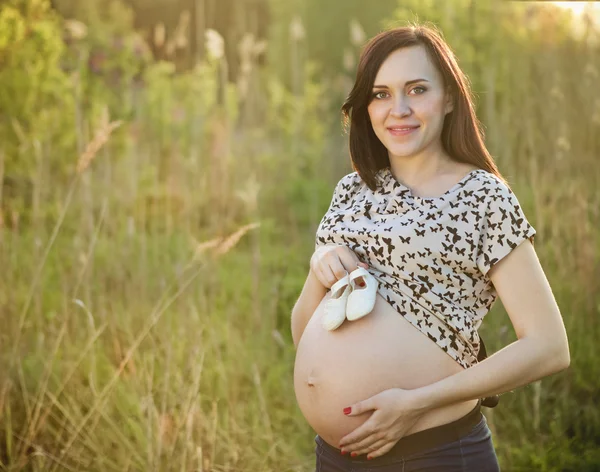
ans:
(350, 299)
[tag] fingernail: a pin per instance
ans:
(354, 454)
(369, 458)
(347, 410)
(344, 452)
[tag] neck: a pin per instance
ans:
(414, 171)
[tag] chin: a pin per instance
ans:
(403, 152)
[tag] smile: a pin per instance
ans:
(401, 131)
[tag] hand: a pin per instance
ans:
(395, 412)
(331, 262)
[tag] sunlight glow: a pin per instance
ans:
(576, 7)
(582, 13)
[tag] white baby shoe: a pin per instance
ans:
(362, 299)
(335, 309)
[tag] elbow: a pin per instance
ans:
(565, 358)
(297, 329)
(551, 355)
(295, 338)
(564, 352)
(553, 351)
(294, 333)
(561, 356)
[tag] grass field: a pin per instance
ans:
(150, 260)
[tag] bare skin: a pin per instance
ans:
(395, 379)
(331, 372)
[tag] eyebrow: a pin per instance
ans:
(407, 83)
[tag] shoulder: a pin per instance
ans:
(491, 199)
(486, 178)
(348, 183)
(345, 189)
(491, 186)
(352, 177)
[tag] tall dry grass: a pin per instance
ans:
(147, 327)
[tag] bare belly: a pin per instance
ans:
(334, 369)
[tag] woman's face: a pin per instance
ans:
(409, 93)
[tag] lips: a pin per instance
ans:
(400, 128)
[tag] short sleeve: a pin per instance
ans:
(504, 227)
(337, 195)
(341, 195)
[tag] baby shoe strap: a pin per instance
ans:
(360, 272)
(340, 283)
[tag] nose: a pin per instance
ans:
(400, 106)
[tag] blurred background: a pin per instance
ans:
(163, 168)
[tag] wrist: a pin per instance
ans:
(422, 399)
(315, 282)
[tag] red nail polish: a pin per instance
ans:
(347, 410)
(369, 458)
(344, 452)
(354, 454)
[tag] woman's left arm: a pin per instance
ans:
(541, 350)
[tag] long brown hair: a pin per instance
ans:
(462, 133)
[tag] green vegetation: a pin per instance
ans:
(156, 227)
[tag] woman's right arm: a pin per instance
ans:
(310, 298)
(328, 264)
(323, 273)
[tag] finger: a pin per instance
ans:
(341, 259)
(331, 271)
(326, 265)
(351, 260)
(362, 407)
(323, 277)
(382, 450)
(329, 275)
(344, 259)
(336, 267)
(371, 443)
(376, 445)
(367, 434)
(359, 434)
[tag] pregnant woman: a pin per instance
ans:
(430, 218)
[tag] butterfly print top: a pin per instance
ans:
(430, 256)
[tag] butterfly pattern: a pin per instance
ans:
(430, 256)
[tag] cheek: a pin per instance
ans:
(376, 115)
(371, 113)
(433, 109)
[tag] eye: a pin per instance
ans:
(377, 95)
(419, 88)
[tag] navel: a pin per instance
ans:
(311, 379)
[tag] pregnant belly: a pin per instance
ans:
(334, 369)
